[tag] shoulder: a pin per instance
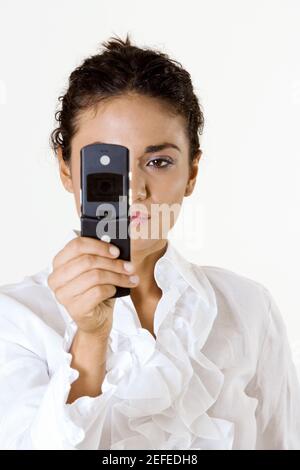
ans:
(245, 308)
(28, 308)
(30, 292)
(239, 298)
(230, 282)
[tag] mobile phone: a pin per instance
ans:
(105, 197)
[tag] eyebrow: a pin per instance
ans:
(157, 148)
(153, 148)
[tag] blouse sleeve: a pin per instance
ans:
(33, 409)
(277, 388)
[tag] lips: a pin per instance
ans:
(139, 215)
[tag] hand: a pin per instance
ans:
(83, 279)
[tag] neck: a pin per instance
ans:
(144, 263)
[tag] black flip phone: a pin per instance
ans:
(104, 197)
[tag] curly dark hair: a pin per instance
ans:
(123, 68)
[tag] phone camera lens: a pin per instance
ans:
(105, 187)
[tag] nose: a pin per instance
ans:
(137, 185)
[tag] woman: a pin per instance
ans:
(196, 357)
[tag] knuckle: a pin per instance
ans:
(59, 294)
(117, 265)
(125, 279)
(98, 291)
(96, 275)
(78, 244)
(112, 290)
(49, 280)
(110, 265)
(109, 290)
(52, 282)
(89, 261)
(115, 279)
(54, 262)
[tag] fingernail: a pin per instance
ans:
(128, 266)
(134, 279)
(114, 250)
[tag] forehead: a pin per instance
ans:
(130, 118)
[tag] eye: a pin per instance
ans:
(160, 163)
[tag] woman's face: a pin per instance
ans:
(157, 177)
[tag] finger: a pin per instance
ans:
(83, 263)
(84, 245)
(89, 279)
(90, 299)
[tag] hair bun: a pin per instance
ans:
(116, 43)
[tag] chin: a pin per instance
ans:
(141, 243)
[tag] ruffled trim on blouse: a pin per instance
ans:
(160, 390)
(166, 386)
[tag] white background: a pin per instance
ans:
(244, 60)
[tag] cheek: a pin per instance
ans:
(169, 189)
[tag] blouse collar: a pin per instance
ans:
(169, 266)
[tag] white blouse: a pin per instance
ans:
(219, 375)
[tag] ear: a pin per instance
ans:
(65, 172)
(193, 174)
